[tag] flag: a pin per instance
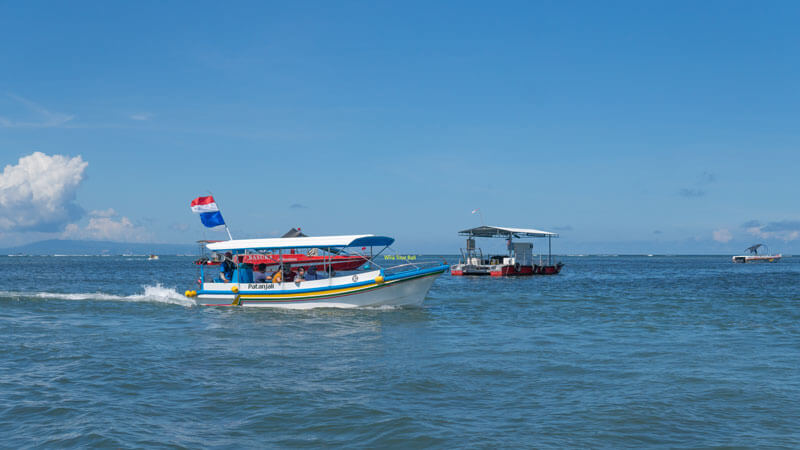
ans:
(209, 213)
(474, 211)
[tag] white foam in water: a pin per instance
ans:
(318, 305)
(161, 294)
(155, 294)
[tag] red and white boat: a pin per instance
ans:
(518, 262)
(753, 255)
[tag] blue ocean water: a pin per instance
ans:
(625, 351)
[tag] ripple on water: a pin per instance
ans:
(614, 352)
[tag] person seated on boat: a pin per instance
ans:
(311, 274)
(288, 275)
(301, 275)
(277, 276)
(226, 268)
(260, 273)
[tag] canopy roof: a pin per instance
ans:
(505, 232)
(357, 240)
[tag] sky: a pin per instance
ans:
(626, 127)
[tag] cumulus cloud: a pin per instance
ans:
(108, 229)
(786, 230)
(38, 194)
(722, 235)
(103, 213)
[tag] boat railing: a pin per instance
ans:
(393, 270)
(471, 256)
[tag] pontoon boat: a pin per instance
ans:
(519, 260)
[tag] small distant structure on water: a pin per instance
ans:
(518, 261)
(753, 255)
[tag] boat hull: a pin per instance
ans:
(405, 289)
(757, 259)
(506, 270)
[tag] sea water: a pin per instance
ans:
(616, 351)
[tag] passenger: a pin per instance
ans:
(226, 268)
(301, 275)
(288, 275)
(312, 273)
(277, 276)
(260, 274)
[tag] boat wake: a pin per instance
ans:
(153, 294)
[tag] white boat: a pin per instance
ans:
(753, 255)
(404, 285)
(152, 258)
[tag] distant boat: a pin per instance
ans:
(753, 255)
(152, 257)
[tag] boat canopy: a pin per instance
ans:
(488, 231)
(754, 249)
(358, 240)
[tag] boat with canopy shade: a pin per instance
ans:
(517, 262)
(403, 285)
(753, 255)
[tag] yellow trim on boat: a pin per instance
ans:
(309, 294)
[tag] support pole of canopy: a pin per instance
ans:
(549, 250)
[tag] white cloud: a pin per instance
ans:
(141, 116)
(108, 229)
(40, 117)
(722, 235)
(786, 230)
(103, 213)
(38, 194)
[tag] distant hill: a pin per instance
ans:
(69, 247)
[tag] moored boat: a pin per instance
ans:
(404, 285)
(517, 262)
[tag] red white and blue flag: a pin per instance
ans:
(208, 210)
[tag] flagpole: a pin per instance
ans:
(220, 211)
(476, 210)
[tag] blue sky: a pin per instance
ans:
(644, 127)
